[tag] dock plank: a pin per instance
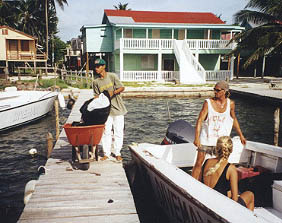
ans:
(65, 194)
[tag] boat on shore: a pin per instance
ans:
(22, 107)
(184, 199)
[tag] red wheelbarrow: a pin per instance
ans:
(84, 140)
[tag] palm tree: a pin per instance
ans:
(121, 6)
(27, 18)
(8, 13)
(265, 39)
(47, 3)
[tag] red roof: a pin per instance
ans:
(167, 17)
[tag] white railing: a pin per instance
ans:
(214, 75)
(127, 43)
(193, 60)
(170, 75)
(208, 44)
(150, 76)
(132, 43)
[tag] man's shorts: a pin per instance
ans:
(207, 149)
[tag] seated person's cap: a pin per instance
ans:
(99, 61)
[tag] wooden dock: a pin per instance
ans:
(64, 194)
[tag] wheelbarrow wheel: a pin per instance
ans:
(85, 155)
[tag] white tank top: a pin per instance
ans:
(216, 124)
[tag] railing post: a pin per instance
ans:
(121, 61)
(232, 67)
(159, 78)
(276, 125)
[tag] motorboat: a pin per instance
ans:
(165, 170)
(21, 107)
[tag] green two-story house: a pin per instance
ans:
(161, 46)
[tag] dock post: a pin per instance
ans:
(276, 125)
(19, 74)
(57, 119)
(49, 144)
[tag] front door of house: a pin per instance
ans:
(169, 64)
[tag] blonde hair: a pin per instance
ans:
(224, 148)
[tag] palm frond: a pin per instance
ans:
(254, 16)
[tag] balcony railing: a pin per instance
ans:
(150, 76)
(208, 44)
(171, 75)
(215, 75)
(25, 56)
(132, 44)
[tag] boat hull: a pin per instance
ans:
(178, 205)
(24, 113)
(183, 198)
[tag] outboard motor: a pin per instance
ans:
(178, 132)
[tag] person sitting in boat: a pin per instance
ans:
(216, 119)
(222, 176)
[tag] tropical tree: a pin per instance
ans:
(121, 6)
(7, 13)
(266, 38)
(28, 18)
(47, 5)
(59, 50)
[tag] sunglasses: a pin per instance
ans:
(217, 90)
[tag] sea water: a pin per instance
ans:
(146, 121)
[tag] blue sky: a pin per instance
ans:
(90, 12)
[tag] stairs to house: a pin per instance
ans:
(190, 70)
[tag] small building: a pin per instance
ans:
(162, 46)
(73, 54)
(18, 49)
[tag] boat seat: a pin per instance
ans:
(269, 214)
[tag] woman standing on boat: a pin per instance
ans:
(222, 176)
(216, 119)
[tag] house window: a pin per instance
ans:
(127, 33)
(13, 45)
(103, 32)
(4, 31)
(24, 45)
(147, 61)
(155, 33)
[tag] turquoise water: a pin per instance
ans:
(146, 121)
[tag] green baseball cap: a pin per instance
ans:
(99, 61)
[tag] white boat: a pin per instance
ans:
(185, 199)
(21, 107)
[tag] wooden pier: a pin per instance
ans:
(65, 194)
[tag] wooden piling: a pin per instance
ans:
(57, 119)
(238, 66)
(49, 144)
(19, 74)
(276, 125)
